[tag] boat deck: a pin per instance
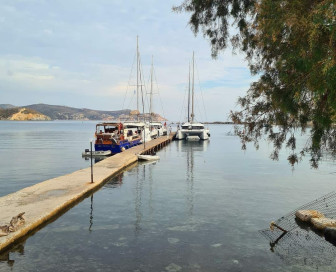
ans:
(47, 200)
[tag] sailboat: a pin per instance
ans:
(157, 128)
(141, 126)
(192, 130)
(120, 136)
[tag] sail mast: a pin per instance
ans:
(137, 54)
(143, 110)
(193, 94)
(189, 96)
(151, 93)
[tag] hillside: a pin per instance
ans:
(68, 113)
(7, 106)
(55, 112)
(22, 114)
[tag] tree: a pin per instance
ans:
(291, 45)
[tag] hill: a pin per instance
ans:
(68, 113)
(22, 114)
(7, 106)
(55, 112)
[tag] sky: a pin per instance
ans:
(81, 53)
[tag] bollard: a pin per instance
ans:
(91, 161)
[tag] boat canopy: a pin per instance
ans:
(114, 124)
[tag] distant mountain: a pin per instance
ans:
(68, 113)
(7, 106)
(54, 112)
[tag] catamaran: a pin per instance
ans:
(192, 130)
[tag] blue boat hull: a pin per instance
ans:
(117, 148)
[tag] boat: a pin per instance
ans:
(192, 130)
(148, 157)
(142, 126)
(116, 138)
(87, 153)
(157, 128)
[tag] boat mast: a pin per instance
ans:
(151, 94)
(137, 54)
(193, 94)
(143, 112)
(189, 96)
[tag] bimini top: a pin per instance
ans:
(114, 124)
(134, 124)
(157, 123)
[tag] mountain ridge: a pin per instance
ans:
(58, 112)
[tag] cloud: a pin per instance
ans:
(81, 53)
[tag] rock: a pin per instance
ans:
(173, 267)
(216, 245)
(330, 235)
(4, 230)
(307, 215)
(17, 221)
(173, 240)
(25, 114)
(14, 225)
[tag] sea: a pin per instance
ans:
(201, 207)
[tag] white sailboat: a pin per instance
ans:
(142, 126)
(192, 130)
(156, 127)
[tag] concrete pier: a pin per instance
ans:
(44, 201)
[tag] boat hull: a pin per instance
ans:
(117, 148)
(148, 157)
(192, 134)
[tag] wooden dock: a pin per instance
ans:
(44, 201)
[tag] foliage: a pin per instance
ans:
(291, 45)
(7, 113)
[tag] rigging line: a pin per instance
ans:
(157, 86)
(186, 90)
(129, 116)
(129, 81)
(131, 100)
(198, 109)
(199, 82)
(143, 80)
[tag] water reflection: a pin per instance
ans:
(190, 148)
(91, 214)
(138, 199)
(6, 257)
(115, 182)
(95, 159)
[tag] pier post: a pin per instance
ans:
(91, 161)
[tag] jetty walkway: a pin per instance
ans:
(44, 201)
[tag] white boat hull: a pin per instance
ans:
(97, 153)
(148, 157)
(202, 134)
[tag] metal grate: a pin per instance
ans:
(301, 244)
(325, 204)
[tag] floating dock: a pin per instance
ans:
(45, 201)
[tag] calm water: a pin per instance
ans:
(198, 209)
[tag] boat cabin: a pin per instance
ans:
(191, 126)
